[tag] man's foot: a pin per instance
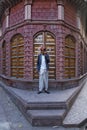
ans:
(39, 92)
(47, 92)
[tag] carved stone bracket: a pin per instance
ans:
(7, 12)
(60, 2)
(28, 2)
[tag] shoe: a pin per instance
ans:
(47, 92)
(39, 92)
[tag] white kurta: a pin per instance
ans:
(43, 75)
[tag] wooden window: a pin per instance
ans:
(70, 57)
(4, 58)
(49, 41)
(17, 56)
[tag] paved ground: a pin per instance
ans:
(12, 119)
(54, 96)
(78, 112)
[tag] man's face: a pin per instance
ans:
(42, 51)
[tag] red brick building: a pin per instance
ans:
(27, 24)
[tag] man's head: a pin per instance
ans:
(43, 49)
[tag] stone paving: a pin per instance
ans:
(78, 112)
(54, 96)
(12, 119)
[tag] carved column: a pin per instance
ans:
(28, 4)
(60, 4)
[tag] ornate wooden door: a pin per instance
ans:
(49, 41)
(70, 57)
(17, 56)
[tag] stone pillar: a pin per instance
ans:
(7, 18)
(60, 4)
(28, 4)
(0, 30)
(78, 20)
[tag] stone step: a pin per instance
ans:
(46, 105)
(45, 117)
(43, 109)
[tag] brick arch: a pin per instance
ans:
(70, 57)
(71, 36)
(47, 38)
(17, 56)
(14, 35)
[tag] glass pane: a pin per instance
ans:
(39, 39)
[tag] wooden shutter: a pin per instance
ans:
(17, 56)
(69, 57)
(49, 41)
(50, 46)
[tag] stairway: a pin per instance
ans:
(43, 109)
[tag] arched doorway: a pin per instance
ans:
(17, 56)
(49, 40)
(70, 57)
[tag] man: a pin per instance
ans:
(42, 67)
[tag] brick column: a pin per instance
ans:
(7, 18)
(60, 4)
(60, 54)
(1, 69)
(8, 69)
(28, 54)
(28, 4)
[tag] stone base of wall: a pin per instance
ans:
(53, 84)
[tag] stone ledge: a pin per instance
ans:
(33, 84)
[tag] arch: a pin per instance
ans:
(48, 39)
(4, 57)
(70, 57)
(17, 56)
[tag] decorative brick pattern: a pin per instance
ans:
(70, 14)
(7, 56)
(28, 48)
(17, 14)
(44, 10)
(1, 56)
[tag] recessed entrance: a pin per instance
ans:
(49, 40)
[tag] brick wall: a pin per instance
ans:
(41, 10)
(44, 10)
(17, 14)
(70, 14)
